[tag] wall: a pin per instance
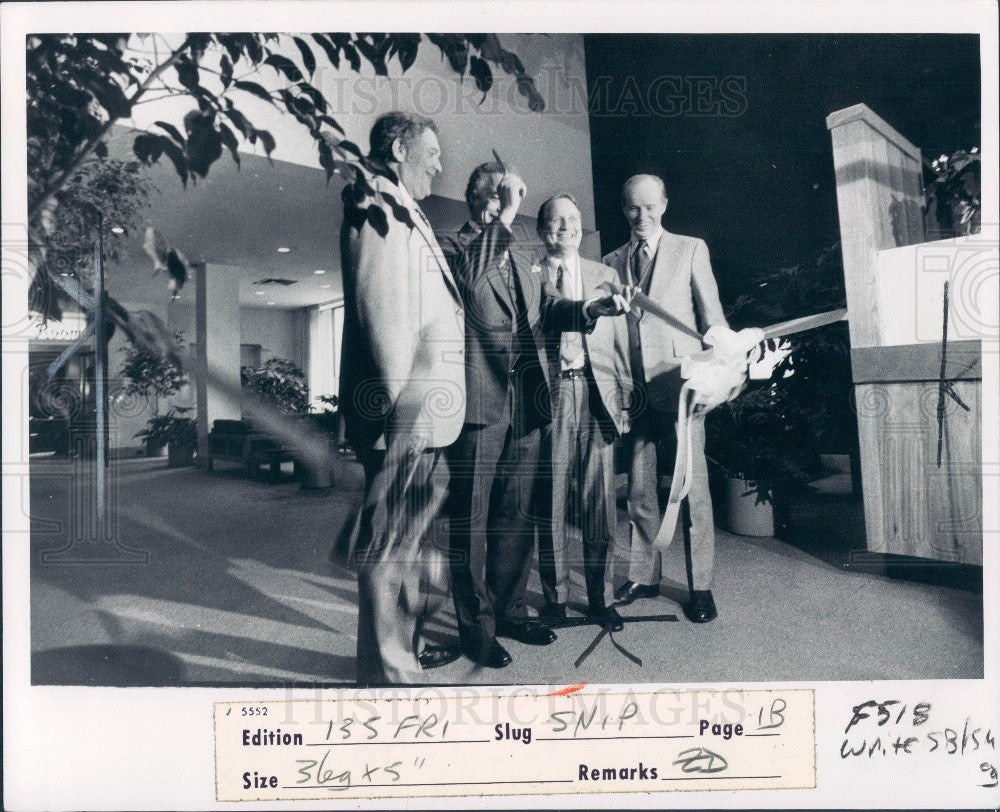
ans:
(277, 331)
(735, 126)
(910, 284)
(551, 148)
(273, 329)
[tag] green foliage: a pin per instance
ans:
(172, 427)
(79, 85)
(952, 194)
(764, 437)
(98, 196)
(146, 373)
(278, 382)
(774, 432)
(327, 418)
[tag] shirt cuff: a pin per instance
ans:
(586, 309)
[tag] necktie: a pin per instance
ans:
(640, 262)
(571, 348)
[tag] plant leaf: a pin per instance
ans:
(331, 51)
(147, 147)
(307, 55)
(480, 71)
(226, 69)
(254, 88)
(284, 65)
(229, 141)
(377, 220)
(187, 73)
(267, 140)
(171, 130)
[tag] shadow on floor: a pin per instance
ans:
(120, 666)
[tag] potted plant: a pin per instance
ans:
(952, 195)
(761, 442)
(327, 416)
(323, 426)
(150, 376)
(768, 441)
(175, 431)
(278, 382)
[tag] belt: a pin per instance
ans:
(572, 373)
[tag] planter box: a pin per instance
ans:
(741, 514)
(180, 455)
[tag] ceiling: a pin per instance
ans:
(239, 217)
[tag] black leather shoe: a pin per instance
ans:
(701, 607)
(552, 614)
(488, 653)
(435, 657)
(607, 617)
(531, 632)
(631, 591)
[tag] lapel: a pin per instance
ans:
(619, 261)
(497, 277)
(423, 228)
(590, 278)
(531, 283)
(663, 267)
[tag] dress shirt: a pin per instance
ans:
(571, 349)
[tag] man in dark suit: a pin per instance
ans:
(592, 388)
(403, 394)
(482, 196)
(496, 464)
(675, 272)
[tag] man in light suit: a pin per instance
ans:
(497, 466)
(591, 391)
(675, 272)
(403, 393)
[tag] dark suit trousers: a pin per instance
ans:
(495, 476)
(582, 452)
(400, 561)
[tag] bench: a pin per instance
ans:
(238, 441)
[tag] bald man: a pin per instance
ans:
(675, 272)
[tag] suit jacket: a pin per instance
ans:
(605, 339)
(402, 357)
(499, 335)
(681, 282)
(453, 245)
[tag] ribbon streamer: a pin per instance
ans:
(694, 404)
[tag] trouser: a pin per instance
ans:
(582, 452)
(495, 474)
(650, 432)
(400, 563)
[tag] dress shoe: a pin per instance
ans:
(531, 632)
(552, 614)
(607, 617)
(435, 657)
(488, 653)
(631, 591)
(701, 607)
